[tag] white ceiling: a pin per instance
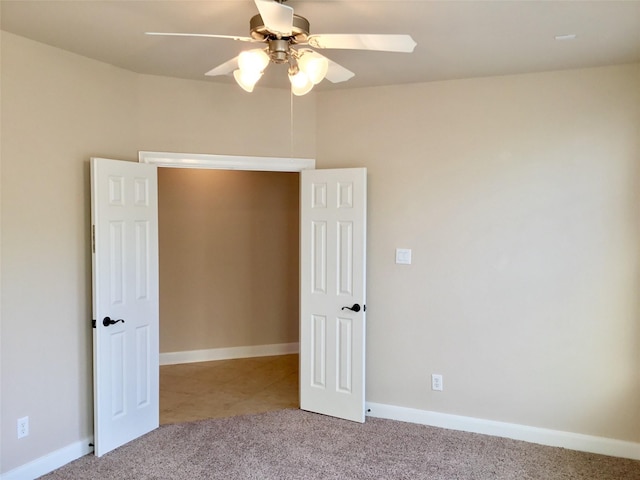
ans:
(456, 39)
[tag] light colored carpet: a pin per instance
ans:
(293, 444)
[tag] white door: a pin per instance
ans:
(332, 292)
(124, 211)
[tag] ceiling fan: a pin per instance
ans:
(287, 39)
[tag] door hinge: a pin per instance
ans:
(93, 324)
(93, 239)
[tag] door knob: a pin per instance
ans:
(354, 308)
(107, 321)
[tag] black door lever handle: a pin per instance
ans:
(354, 308)
(107, 321)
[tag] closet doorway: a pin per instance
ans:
(229, 282)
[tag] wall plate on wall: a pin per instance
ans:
(403, 256)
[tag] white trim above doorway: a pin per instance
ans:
(226, 162)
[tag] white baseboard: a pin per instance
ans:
(542, 436)
(573, 441)
(50, 462)
(172, 358)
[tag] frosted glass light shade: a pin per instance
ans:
(300, 83)
(314, 65)
(253, 60)
(247, 80)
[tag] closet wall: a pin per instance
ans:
(228, 258)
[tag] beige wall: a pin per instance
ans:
(228, 258)
(200, 117)
(58, 110)
(519, 197)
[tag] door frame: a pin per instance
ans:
(226, 162)
(204, 161)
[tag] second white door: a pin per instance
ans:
(332, 292)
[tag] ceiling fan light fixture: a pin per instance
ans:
(301, 84)
(314, 65)
(250, 61)
(247, 80)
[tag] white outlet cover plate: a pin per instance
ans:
(23, 427)
(403, 256)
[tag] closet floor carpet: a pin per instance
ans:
(225, 388)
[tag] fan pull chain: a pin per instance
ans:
(291, 120)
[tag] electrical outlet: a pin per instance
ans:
(436, 382)
(23, 427)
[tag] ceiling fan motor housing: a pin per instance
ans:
(299, 30)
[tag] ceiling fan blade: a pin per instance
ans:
(224, 69)
(383, 43)
(337, 73)
(278, 18)
(231, 37)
